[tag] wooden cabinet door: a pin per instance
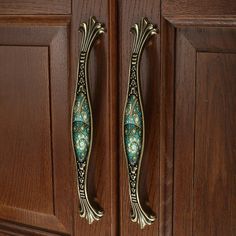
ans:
(198, 110)
(188, 89)
(188, 171)
(39, 48)
(36, 182)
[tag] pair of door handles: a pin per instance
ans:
(133, 121)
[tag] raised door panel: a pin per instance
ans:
(36, 173)
(25, 151)
(203, 81)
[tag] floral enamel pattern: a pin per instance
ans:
(81, 126)
(133, 132)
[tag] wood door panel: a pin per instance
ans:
(204, 142)
(25, 140)
(214, 209)
(29, 7)
(197, 126)
(35, 129)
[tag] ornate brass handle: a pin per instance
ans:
(133, 123)
(82, 121)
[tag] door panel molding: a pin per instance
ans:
(183, 40)
(198, 21)
(55, 38)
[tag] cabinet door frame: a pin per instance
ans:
(174, 30)
(52, 33)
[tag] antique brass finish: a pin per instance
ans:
(133, 123)
(82, 120)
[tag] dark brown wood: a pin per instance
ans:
(184, 136)
(114, 116)
(166, 127)
(214, 209)
(189, 97)
(204, 136)
(199, 69)
(203, 142)
(25, 31)
(103, 183)
(35, 165)
(28, 7)
(131, 12)
(20, 93)
(199, 8)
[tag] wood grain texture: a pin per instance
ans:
(199, 8)
(20, 93)
(201, 21)
(28, 7)
(188, 88)
(202, 38)
(204, 180)
(184, 136)
(35, 131)
(166, 127)
(102, 178)
(131, 12)
(9, 229)
(214, 209)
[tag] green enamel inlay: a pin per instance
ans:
(81, 126)
(133, 130)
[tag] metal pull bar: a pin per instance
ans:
(82, 121)
(133, 122)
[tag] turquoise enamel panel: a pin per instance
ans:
(133, 129)
(81, 126)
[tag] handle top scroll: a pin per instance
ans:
(90, 30)
(142, 31)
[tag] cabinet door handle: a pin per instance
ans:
(82, 121)
(133, 122)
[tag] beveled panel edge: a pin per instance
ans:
(205, 26)
(50, 223)
(169, 27)
(200, 21)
